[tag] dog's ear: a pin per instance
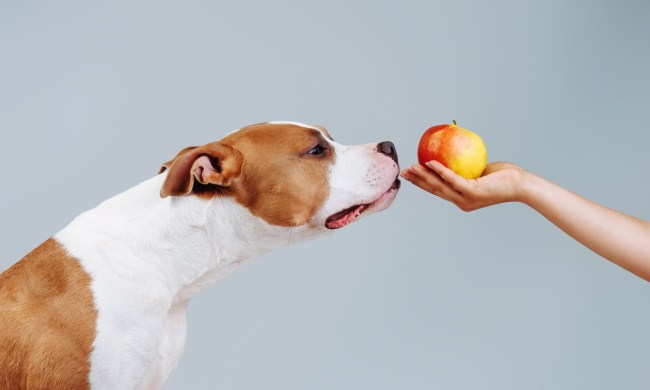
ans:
(214, 163)
(169, 163)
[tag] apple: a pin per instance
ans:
(458, 149)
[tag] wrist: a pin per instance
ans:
(528, 188)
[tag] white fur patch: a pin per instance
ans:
(147, 257)
(359, 175)
(306, 126)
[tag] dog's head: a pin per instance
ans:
(289, 174)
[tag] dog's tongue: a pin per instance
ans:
(345, 217)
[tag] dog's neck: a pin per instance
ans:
(183, 243)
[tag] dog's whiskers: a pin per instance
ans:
(291, 234)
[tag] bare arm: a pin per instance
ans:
(619, 238)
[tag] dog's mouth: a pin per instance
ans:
(351, 214)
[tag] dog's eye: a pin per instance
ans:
(318, 149)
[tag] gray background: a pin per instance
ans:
(94, 96)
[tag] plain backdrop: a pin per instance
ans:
(94, 96)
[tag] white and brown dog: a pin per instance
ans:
(102, 303)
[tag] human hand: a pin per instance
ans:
(501, 182)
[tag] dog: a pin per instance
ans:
(102, 303)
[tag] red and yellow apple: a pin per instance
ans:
(458, 149)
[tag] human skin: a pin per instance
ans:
(620, 238)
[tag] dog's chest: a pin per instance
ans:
(170, 349)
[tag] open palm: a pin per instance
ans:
(500, 183)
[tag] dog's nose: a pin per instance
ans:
(387, 148)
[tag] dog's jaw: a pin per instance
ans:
(362, 181)
(353, 213)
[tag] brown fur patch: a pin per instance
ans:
(47, 321)
(279, 181)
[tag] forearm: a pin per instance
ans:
(620, 238)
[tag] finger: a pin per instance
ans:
(408, 174)
(405, 173)
(417, 171)
(458, 182)
(431, 182)
(440, 191)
